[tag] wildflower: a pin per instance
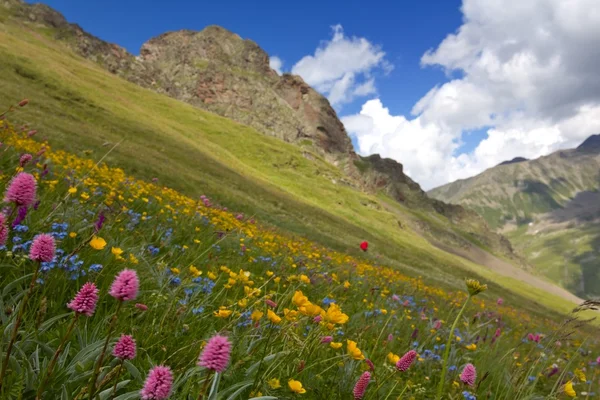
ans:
(370, 364)
(475, 287)
(364, 246)
(346, 284)
(468, 375)
(99, 222)
(85, 300)
(21, 190)
(500, 301)
(406, 361)
(304, 279)
(534, 338)
(73, 235)
(274, 383)
(299, 299)
(335, 315)
(271, 303)
(175, 271)
(23, 102)
(25, 159)
(580, 375)
(256, 315)
(393, 358)
(195, 271)
(361, 385)
(141, 306)
(125, 348)
(310, 309)
(212, 276)
(215, 355)
(223, 312)
(158, 384)
(43, 248)
(296, 386)
(72, 190)
(3, 229)
(125, 286)
(117, 251)
(568, 389)
(326, 339)
(471, 346)
(317, 319)
(274, 318)
(97, 243)
(354, 351)
(335, 345)
(290, 315)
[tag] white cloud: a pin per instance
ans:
(529, 76)
(341, 68)
(276, 64)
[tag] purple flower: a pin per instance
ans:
(468, 375)
(25, 158)
(326, 339)
(158, 384)
(21, 214)
(216, 354)
(3, 229)
(406, 361)
(125, 286)
(21, 190)
(85, 300)
(99, 222)
(125, 348)
(43, 248)
(361, 385)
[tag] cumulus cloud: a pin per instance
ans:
(342, 67)
(276, 64)
(528, 76)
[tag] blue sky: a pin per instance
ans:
(446, 87)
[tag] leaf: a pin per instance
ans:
(47, 324)
(214, 388)
(129, 396)
(268, 358)
(106, 393)
(264, 398)
(133, 371)
(8, 288)
(239, 391)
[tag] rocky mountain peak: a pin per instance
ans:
(591, 144)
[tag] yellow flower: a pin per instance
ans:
(335, 345)
(274, 383)
(304, 279)
(290, 315)
(455, 384)
(212, 276)
(223, 312)
(471, 346)
(73, 234)
(85, 196)
(354, 351)
(393, 358)
(256, 315)
(346, 284)
(274, 318)
(269, 274)
(310, 309)
(98, 243)
(475, 287)
(277, 279)
(580, 375)
(335, 315)
(116, 251)
(299, 299)
(568, 389)
(133, 259)
(72, 190)
(296, 386)
(243, 303)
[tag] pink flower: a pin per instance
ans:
(271, 303)
(85, 300)
(25, 158)
(317, 319)
(395, 297)
(390, 337)
(361, 385)
(43, 248)
(125, 286)
(141, 306)
(500, 301)
(3, 229)
(158, 384)
(125, 348)
(326, 339)
(534, 338)
(437, 324)
(370, 364)
(216, 354)
(406, 361)
(468, 375)
(21, 190)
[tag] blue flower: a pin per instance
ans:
(197, 310)
(95, 268)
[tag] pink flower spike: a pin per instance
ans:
(125, 348)
(24, 160)
(216, 354)
(317, 319)
(468, 375)
(326, 339)
(3, 229)
(21, 190)
(42, 248)
(125, 286)
(158, 384)
(141, 306)
(271, 303)
(406, 361)
(85, 300)
(361, 385)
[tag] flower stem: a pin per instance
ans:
(59, 350)
(92, 387)
(206, 381)
(447, 350)
(13, 336)
(114, 391)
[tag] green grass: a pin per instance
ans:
(80, 107)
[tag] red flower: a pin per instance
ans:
(364, 246)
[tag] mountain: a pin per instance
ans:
(288, 161)
(548, 207)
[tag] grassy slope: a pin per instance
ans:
(80, 107)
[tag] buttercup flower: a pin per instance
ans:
(97, 243)
(296, 386)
